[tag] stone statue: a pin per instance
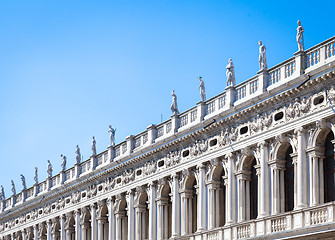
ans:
(174, 107)
(36, 176)
(23, 179)
(13, 188)
(49, 171)
(94, 149)
(111, 132)
(63, 165)
(78, 155)
(3, 197)
(202, 90)
(262, 56)
(300, 36)
(230, 73)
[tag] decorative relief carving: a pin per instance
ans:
(199, 147)
(91, 191)
(75, 197)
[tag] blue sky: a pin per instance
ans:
(68, 69)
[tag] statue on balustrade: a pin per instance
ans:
(36, 176)
(63, 165)
(3, 197)
(262, 56)
(23, 179)
(94, 149)
(174, 107)
(13, 188)
(300, 36)
(78, 155)
(202, 90)
(230, 73)
(49, 170)
(111, 132)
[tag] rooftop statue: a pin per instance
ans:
(300, 36)
(230, 73)
(202, 90)
(23, 179)
(111, 132)
(174, 107)
(49, 170)
(13, 188)
(262, 56)
(3, 197)
(94, 149)
(63, 165)
(36, 176)
(78, 155)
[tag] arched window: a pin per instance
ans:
(253, 191)
(329, 169)
(289, 180)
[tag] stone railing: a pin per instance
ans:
(233, 98)
(278, 224)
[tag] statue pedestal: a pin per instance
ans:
(300, 63)
(62, 177)
(77, 169)
(23, 195)
(13, 200)
(48, 180)
(263, 79)
(93, 162)
(174, 123)
(36, 188)
(230, 95)
(111, 153)
(201, 111)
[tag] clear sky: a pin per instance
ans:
(70, 68)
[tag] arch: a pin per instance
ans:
(329, 168)
(142, 213)
(253, 188)
(164, 209)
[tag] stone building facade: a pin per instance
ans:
(256, 161)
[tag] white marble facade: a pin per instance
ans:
(256, 161)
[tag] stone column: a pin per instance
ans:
(93, 222)
(77, 224)
(130, 213)
(35, 232)
(264, 181)
(101, 221)
(175, 205)
(24, 235)
(111, 223)
(201, 198)
(48, 229)
(62, 227)
(151, 191)
(118, 222)
(301, 169)
(241, 197)
(230, 191)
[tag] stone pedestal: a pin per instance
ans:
(111, 153)
(175, 123)
(263, 79)
(48, 185)
(77, 169)
(300, 62)
(94, 162)
(36, 189)
(201, 111)
(230, 95)
(62, 177)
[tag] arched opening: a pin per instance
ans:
(329, 169)
(189, 205)
(103, 221)
(253, 190)
(121, 218)
(164, 215)
(85, 223)
(142, 214)
(289, 180)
